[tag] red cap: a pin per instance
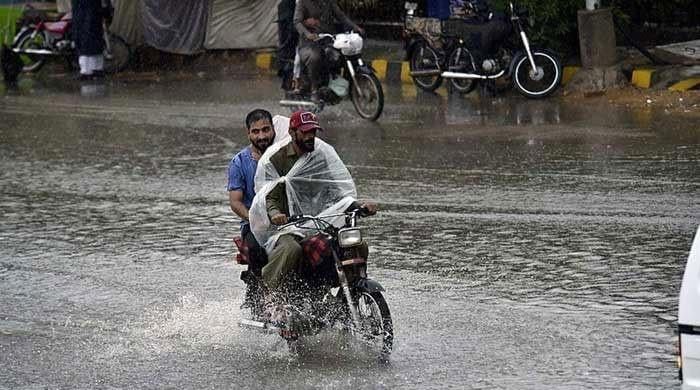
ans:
(304, 121)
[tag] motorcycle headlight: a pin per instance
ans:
(349, 237)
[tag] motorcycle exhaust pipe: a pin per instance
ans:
(421, 73)
(43, 52)
(459, 75)
(295, 103)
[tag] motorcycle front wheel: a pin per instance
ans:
(541, 81)
(376, 327)
(424, 58)
(32, 62)
(367, 96)
(117, 54)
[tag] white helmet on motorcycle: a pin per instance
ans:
(348, 44)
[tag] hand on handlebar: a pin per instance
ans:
(278, 219)
(368, 208)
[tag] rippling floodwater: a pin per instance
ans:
(524, 245)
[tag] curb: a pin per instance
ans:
(642, 78)
(399, 72)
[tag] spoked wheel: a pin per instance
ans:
(424, 58)
(367, 96)
(461, 60)
(376, 327)
(32, 62)
(538, 82)
(117, 54)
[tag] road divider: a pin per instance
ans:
(399, 72)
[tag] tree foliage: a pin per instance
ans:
(555, 21)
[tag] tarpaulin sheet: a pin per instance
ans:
(242, 24)
(175, 26)
(127, 21)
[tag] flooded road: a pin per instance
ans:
(523, 245)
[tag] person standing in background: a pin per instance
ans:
(88, 34)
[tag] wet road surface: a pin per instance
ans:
(523, 244)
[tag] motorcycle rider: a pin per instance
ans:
(484, 28)
(313, 17)
(241, 175)
(286, 255)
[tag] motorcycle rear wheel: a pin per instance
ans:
(424, 58)
(369, 100)
(376, 327)
(32, 62)
(543, 81)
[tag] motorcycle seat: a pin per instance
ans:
(59, 27)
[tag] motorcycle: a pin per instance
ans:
(426, 44)
(342, 297)
(535, 73)
(347, 74)
(40, 39)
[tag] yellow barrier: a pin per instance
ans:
(642, 78)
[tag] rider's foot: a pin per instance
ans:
(254, 294)
(274, 311)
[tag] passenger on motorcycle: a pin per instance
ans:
(302, 176)
(313, 17)
(241, 189)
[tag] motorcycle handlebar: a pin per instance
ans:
(293, 219)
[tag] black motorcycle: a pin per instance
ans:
(535, 73)
(336, 295)
(347, 75)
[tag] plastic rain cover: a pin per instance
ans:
(318, 184)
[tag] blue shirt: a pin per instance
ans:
(241, 176)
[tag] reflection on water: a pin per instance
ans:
(523, 244)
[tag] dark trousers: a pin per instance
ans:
(311, 55)
(257, 256)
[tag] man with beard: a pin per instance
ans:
(286, 255)
(241, 191)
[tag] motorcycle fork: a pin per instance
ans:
(351, 70)
(345, 286)
(526, 44)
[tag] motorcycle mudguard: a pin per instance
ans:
(521, 53)
(19, 34)
(367, 69)
(368, 285)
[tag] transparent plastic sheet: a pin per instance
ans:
(318, 184)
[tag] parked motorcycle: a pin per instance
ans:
(344, 298)
(427, 46)
(347, 75)
(39, 40)
(535, 73)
